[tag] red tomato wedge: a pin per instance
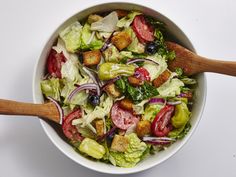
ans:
(70, 130)
(122, 119)
(161, 124)
(142, 73)
(54, 63)
(142, 29)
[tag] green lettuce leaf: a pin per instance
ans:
(132, 155)
(51, 88)
(71, 36)
(86, 42)
(151, 111)
(135, 45)
(107, 24)
(171, 88)
(155, 70)
(127, 20)
(70, 71)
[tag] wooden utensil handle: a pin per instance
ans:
(217, 66)
(48, 110)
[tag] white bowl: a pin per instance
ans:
(54, 132)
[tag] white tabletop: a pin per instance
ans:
(25, 149)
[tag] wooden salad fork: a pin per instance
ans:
(192, 63)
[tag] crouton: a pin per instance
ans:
(121, 13)
(126, 104)
(121, 40)
(91, 58)
(112, 90)
(94, 18)
(161, 79)
(135, 81)
(119, 143)
(143, 128)
(99, 124)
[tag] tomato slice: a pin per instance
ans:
(142, 73)
(143, 30)
(161, 124)
(54, 63)
(122, 119)
(70, 130)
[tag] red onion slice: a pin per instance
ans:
(173, 102)
(101, 138)
(89, 86)
(134, 60)
(157, 101)
(60, 110)
(110, 82)
(158, 140)
(106, 44)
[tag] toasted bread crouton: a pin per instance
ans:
(119, 143)
(126, 104)
(99, 125)
(161, 79)
(91, 58)
(121, 40)
(112, 90)
(143, 128)
(121, 13)
(94, 18)
(135, 81)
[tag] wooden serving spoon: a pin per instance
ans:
(192, 63)
(47, 111)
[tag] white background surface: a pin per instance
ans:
(25, 149)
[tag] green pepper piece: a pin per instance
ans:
(92, 148)
(108, 71)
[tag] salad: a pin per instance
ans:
(109, 74)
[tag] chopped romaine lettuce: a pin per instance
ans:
(111, 54)
(87, 42)
(71, 36)
(127, 20)
(170, 88)
(99, 112)
(79, 99)
(151, 111)
(132, 155)
(51, 88)
(70, 71)
(107, 24)
(135, 45)
(139, 108)
(155, 70)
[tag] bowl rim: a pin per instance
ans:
(130, 170)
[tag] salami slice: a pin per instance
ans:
(122, 119)
(70, 130)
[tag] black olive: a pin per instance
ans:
(94, 100)
(151, 48)
(80, 56)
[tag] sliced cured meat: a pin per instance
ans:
(122, 119)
